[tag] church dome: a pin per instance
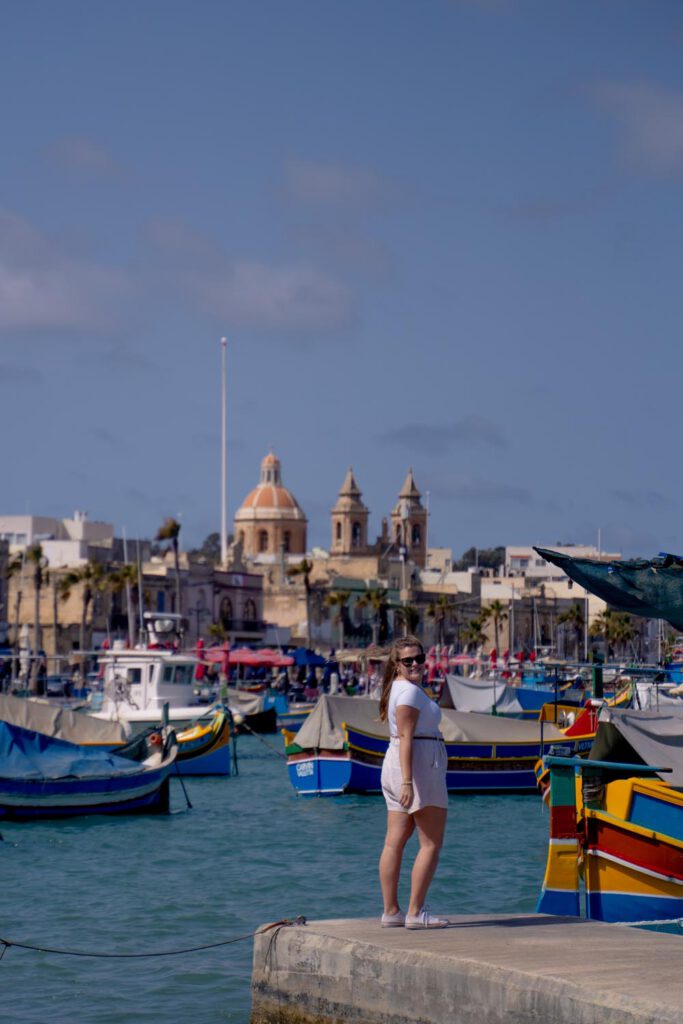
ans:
(270, 499)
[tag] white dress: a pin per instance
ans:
(429, 752)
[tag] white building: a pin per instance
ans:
(524, 561)
(64, 541)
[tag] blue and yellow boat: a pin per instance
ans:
(340, 749)
(616, 823)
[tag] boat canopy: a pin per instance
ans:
(480, 695)
(653, 589)
(60, 723)
(323, 727)
(27, 755)
(629, 736)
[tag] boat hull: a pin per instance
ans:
(28, 800)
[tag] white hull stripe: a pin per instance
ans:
(635, 867)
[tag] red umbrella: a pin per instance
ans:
(200, 667)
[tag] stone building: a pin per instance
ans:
(350, 520)
(270, 520)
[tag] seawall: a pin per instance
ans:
(506, 969)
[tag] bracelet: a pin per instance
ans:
(407, 782)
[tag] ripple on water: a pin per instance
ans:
(250, 851)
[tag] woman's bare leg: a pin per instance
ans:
(431, 825)
(400, 828)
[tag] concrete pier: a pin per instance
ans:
(505, 969)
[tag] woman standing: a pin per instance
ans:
(413, 783)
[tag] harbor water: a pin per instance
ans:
(249, 851)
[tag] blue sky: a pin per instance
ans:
(439, 234)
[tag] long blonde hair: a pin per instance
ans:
(391, 668)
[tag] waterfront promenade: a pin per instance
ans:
(484, 969)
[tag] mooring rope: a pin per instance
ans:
(285, 922)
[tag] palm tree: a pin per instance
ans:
(15, 567)
(574, 617)
(340, 600)
(615, 627)
(91, 578)
(34, 555)
(125, 577)
(217, 632)
(376, 599)
(441, 610)
(473, 635)
(409, 617)
(169, 531)
(496, 612)
(304, 569)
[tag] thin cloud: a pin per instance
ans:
(650, 118)
(43, 287)
(343, 186)
(14, 374)
(472, 489)
(104, 435)
(76, 153)
(348, 250)
(288, 297)
(436, 439)
(641, 498)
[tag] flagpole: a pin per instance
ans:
(224, 454)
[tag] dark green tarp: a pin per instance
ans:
(653, 589)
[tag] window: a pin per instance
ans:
(339, 531)
(241, 537)
(249, 610)
(287, 540)
(134, 675)
(355, 535)
(416, 535)
(161, 603)
(225, 614)
(263, 540)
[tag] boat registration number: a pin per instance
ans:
(304, 768)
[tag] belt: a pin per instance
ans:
(420, 738)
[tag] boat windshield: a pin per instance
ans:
(181, 675)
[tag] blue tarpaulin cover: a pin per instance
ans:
(25, 754)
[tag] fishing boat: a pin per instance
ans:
(204, 748)
(43, 777)
(341, 746)
(616, 822)
(495, 697)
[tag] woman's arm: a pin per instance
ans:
(406, 721)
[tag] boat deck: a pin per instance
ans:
(481, 970)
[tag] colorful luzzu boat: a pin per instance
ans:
(205, 748)
(616, 822)
(341, 746)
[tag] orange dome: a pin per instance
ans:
(269, 496)
(270, 500)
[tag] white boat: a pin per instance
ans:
(138, 682)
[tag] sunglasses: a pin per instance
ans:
(419, 659)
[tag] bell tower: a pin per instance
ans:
(409, 522)
(349, 520)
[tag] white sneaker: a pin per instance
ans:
(425, 920)
(393, 920)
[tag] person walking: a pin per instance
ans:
(413, 784)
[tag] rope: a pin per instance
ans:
(285, 922)
(243, 725)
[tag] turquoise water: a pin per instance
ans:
(250, 851)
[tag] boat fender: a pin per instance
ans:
(154, 740)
